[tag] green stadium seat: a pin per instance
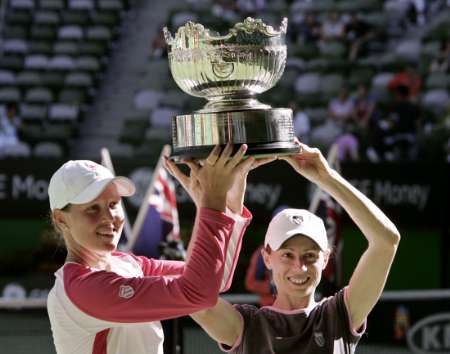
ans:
(32, 131)
(22, 18)
(92, 48)
(52, 4)
(361, 76)
(27, 79)
(82, 4)
(40, 47)
(48, 149)
(73, 17)
(437, 80)
(53, 80)
(63, 112)
(46, 18)
(9, 94)
(15, 46)
(308, 83)
(87, 63)
(70, 32)
(431, 49)
(133, 131)
(331, 84)
(7, 78)
(33, 112)
(98, 33)
(72, 96)
(58, 132)
(38, 32)
(38, 95)
(108, 19)
(332, 49)
(36, 62)
(78, 79)
(61, 63)
(110, 5)
(10, 32)
(66, 48)
(11, 62)
(22, 4)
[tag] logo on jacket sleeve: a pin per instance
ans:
(126, 291)
(319, 339)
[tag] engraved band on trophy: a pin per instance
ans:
(229, 71)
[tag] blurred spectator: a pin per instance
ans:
(10, 125)
(158, 48)
(442, 62)
(348, 147)
(416, 12)
(434, 137)
(225, 10)
(332, 27)
(408, 78)
(363, 108)
(404, 121)
(357, 34)
(250, 7)
(306, 31)
(364, 122)
(301, 123)
(340, 111)
(341, 108)
(258, 279)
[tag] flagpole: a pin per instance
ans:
(107, 162)
(331, 159)
(140, 218)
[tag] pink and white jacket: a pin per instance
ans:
(95, 311)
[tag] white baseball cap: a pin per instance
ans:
(291, 222)
(81, 181)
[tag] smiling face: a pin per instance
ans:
(296, 269)
(92, 229)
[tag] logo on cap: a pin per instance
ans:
(92, 167)
(297, 219)
(126, 291)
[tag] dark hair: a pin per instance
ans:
(11, 105)
(403, 91)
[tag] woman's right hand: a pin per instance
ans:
(208, 183)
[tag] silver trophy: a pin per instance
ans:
(229, 71)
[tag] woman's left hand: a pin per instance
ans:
(310, 163)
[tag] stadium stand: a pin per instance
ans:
(52, 56)
(68, 55)
(391, 34)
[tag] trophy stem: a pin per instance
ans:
(232, 103)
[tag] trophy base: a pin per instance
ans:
(256, 150)
(267, 132)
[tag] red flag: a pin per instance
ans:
(159, 228)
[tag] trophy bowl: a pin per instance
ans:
(229, 71)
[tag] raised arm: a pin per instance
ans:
(223, 322)
(203, 184)
(234, 197)
(369, 277)
(111, 297)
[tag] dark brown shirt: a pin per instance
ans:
(323, 329)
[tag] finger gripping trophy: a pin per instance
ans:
(229, 71)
